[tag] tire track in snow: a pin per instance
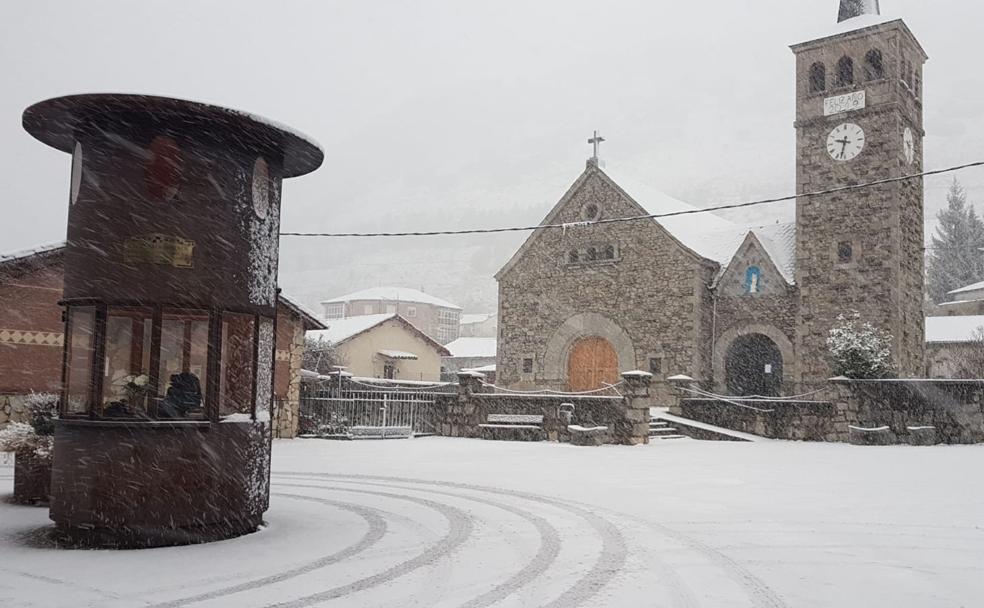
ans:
(546, 554)
(614, 550)
(460, 525)
(375, 532)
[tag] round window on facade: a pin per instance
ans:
(76, 172)
(261, 188)
(591, 212)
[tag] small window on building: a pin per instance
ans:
(573, 257)
(335, 310)
(874, 67)
(916, 84)
(367, 309)
(818, 78)
(391, 309)
(610, 252)
(753, 279)
(389, 371)
(845, 252)
(655, 365)
(592, 254)
(845, 72)
(528, 365)
(411, 312)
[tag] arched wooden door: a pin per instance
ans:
(592, 363)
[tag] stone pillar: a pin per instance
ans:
(463, 413)
(637, 403)
(845, 409)
(679, 383)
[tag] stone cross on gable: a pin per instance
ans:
(595, 142)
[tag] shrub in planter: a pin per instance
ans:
(32, 446)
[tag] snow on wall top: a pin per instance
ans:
(472, 347)
(953, 329)
(24, 253)
(340, 330)
(972, 287)
(393, 294)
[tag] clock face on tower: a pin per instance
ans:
(909, 145)
(845, 142)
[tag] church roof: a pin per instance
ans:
(393, 294)
(711, 236)
(708, 236)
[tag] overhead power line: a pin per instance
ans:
(619, 220)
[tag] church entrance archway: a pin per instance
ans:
(753, 366)
(592, 364)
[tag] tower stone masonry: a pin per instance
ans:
(859, 119)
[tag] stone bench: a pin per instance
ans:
(588, 435)
(516, 427)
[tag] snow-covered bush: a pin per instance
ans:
(43, 410)
(36, 438)
(859, 350)
(21, 438)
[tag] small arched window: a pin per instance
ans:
(573, 257)
(845, 71)
(610, 252)
(874, 67)
(818, 78)
(592, 253)
(753, 280)
(916, 84)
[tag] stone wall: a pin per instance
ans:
(13, 409)
(793, 420)
(955, 408)
(627, 417)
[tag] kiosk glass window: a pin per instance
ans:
(182, 374)
(126, 366)
(237, 364)
(78, 375)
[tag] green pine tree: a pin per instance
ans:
(957, 255)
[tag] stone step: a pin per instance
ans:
(663, 429)
(662, 437)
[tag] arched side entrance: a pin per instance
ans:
(723, 353)
(591, 364)
(753, 366)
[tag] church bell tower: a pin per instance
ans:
(859, 119)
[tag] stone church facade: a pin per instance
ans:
(744, 310)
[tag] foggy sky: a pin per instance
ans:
(457, 113)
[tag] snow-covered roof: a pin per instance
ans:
(472, 318)
(481, 370)
(702, 232)
(691, 230)
(11, 256)
(972, 287)
(953, 329)
(472, 347)
(393, 294)
(398, 354)
(340, 330)
(709, 235)
(309, 317)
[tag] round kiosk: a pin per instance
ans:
(170, 310)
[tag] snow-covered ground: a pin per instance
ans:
(453, 522)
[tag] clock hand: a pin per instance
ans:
(843, 143)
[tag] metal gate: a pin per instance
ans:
(368, 413)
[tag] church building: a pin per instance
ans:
(743, 310)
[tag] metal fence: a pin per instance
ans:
(355, 410)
